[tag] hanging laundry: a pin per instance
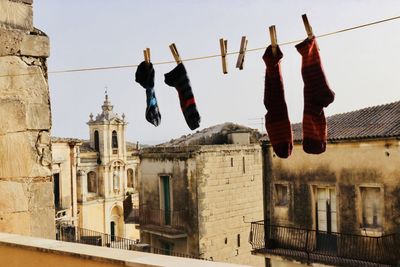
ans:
(277, 119)
(317, 95)
(178, 78)
(145, 77)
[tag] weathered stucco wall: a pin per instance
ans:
(91, 216)
(181, 167)
(26, 188)
(345, 166)
(229, 194)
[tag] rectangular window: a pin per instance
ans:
(244, 165)
(371, 201)
(281, 195)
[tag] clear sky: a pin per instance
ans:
(362, 66)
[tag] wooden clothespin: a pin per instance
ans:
(274, 40)
(307, 26)
(242, 51)
(146, 54)
(175, 53)
(223, 44)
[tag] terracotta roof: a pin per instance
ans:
(381, 121)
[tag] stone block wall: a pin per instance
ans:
(26, 187)
(229, 195)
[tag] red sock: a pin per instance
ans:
(277, 119)
(317, 95)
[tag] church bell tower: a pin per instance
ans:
(107, 134)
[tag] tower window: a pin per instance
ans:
(114, 140)
(96, 141)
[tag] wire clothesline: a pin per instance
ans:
(211, 56)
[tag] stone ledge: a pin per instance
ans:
(89, 253)
(18, 43)
(16, 15)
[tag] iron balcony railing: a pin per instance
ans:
(319, 246)
(170, 218)
(85, 236)
(75, 234)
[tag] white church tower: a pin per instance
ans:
(107, 134)
(107, 173)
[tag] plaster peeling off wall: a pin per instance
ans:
(26, 187)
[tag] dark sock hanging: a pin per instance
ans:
(145, 77)
(276, 120)
(178, 78)
(317, 95)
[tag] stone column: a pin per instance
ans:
(26, 185)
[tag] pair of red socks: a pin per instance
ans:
(317, 95)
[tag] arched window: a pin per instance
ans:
(114, 140)
(92, 182)
(129, 174)
(96, 141)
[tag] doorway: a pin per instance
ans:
(112, 231)
(56, 184)
(326, 222)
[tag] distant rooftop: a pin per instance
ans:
(381, 121)
(215, 135)
(65, 140)
(85, 144)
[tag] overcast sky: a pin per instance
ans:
(362, 66)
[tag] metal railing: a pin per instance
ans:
(75, 234)
(147, 216)
(320, 246)
(174, 253)
(90, 237)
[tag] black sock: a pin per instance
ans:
(145, 77)
(178, 78)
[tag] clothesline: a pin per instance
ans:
(209, 56)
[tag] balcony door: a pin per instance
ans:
(166, 200)
(326, 218)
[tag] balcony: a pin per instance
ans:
(313, 246)
(170, 224)
(17, 250)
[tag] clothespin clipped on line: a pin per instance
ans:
(146, 54)
(274, 41)
(308, 27)
(223, 44)
(175, 53)
(242, 51)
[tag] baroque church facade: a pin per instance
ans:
(93, 178)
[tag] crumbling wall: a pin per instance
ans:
(26, 188)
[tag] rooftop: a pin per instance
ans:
(214, 135)
(381, 121)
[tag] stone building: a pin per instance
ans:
(25, 123)
(341, 207)
(198, 192)
(93, 178)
